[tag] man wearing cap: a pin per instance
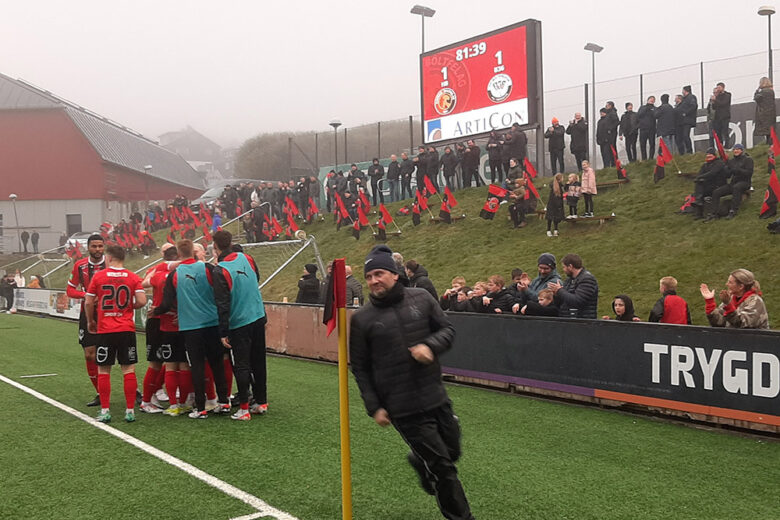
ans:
(712, 175)
(556, 145)
(740, 169)
(530, 291)
(395, 343)
(308, 286)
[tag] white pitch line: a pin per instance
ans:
(252, 516)
(37, 375)
(262, 507)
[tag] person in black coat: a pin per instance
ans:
(471, 164)
(418, 277)
(407, 169)
(740, 170)
(520, 143)
(375, 172)
(646, 120)
(308, 286)
(498, 300)
(604, 133)
(712, 175)
(421, 162)
(578, 130)
(766, 112)
(720, 102)
(395, 343)
(679, 125)
(629, 130)
(25, 237)
(665, 121)
(494, 147)
(690, 107)
(556, 145)
(433, 166)
(393, 176)
(449, 163)
(614, 121)
(578, 296)
(623, 307)
(544, 307)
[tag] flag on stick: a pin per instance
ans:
(494, 197)
(449, 197)
(529, 167)
(356, 230)
(444, 213)
(719, 146)
(416, 214)
(429, 185)
(659, 171)
(621, 172)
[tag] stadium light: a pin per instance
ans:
(423, 12)
(16, 217)
(335, 123)
(593, 49)
(768, 11)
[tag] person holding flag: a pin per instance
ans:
(403, 385)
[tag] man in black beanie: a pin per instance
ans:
(395, 343)
(308, 286)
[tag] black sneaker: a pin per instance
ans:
(138, 397)
(95, 401)
(731, 215)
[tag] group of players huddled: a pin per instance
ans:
(205, 326)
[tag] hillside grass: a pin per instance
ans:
(628, 255)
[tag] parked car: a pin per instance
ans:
(210, 196)
(79, 238)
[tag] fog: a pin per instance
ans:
(235, 69)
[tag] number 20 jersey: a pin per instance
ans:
(114, 290)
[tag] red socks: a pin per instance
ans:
(228, 375)
(131, 386)
(211, 391)
(150, 383)
(185, 384)
(160, 379)
(171, 384)
(92, 372)
(104, 390)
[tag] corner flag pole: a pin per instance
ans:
(339, 276)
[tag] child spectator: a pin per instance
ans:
(462, 303)
(623, 307)
(498, 300)
(475, 297)
(517, 277)
(450, 296)
(670, 308)
(588, 187)
(573, 190)
(517, 204)
(544, 307)
(555, 205)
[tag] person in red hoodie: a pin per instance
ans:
(670, 308)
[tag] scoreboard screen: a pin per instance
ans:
(485, 83)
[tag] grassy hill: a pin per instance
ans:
(628, 255)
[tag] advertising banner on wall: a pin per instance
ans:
(58, 304)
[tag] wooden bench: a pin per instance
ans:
(389, 234)
(601, 219)
(609, 184)
(453, 218)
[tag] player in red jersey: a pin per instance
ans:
(114, 293)
(83, 271)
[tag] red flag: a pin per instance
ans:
(665, 153)
(195, 218)
(444, 213)
(313, 209)
(416, 214)
(449, 197)
(381, 233)
(529, 167)
(429, 185)
(362, 219)
(659, 171)
(277, 226)
(289, 204)
(422, 201)
(621, 172)
(206, 215)
(364, 200)
(340, 206)
(775, 143)
(531, 188)
(719, 145)
(403, 210)
(336, 295)
(206, 234)
(356, 229)
(291, 221)
(386, 216)
(495, 194)
(170, 239)
(772, 194)
(687, 203)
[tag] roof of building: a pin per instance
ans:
(113, 142)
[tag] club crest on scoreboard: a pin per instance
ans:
(445, 101)
(499, 87)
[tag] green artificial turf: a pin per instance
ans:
(523, 457)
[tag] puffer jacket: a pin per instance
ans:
(381, 333)
(420, 279)
(579, 296)
(748, 312)
(502, 299)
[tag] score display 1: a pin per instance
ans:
(481, 84)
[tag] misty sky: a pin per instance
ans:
(238, 68)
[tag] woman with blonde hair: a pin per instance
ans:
(554, 213)
(741, 304)
(766, 114)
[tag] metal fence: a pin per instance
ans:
(379, 139)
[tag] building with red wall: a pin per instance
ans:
(72, 169)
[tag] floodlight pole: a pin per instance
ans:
(768, 11)
(16, 217)
(335, 123)
(424, 12)
(593, 49)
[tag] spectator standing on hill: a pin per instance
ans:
(403, 385)
(766, 113)
(25, 237)
(623, 307)
(604, 138)
(578, 130)
(629, 129)
(375, 172)
(588, 188)
(740, 169)
(517, 204)
(519, 143)
(449, 163)
(578, 296)
(434, 166)
(556, 145)
(407, 169)
(308, 286)
(741, 304)
(647, 127)
(354, 288)
(613, 121)
(393, 175)
(679, 131)
(421, 162)
(471, 165)
(498, 300)
(554, 213)
(418, 277)
(720, 101)
(670, 308)
(507, 148)
(666, 121)
(34, 240)
(494, 147)
(690, 106)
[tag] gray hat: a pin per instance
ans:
(547, 259)
(739, 146)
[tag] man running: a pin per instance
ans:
(241, 322)
(113, 295)
(81, 275)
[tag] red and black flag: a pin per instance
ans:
(206, 233)
(530, 188)
(494, 197)
(356, 230)
(775, 142)
(277, 227)
(621, 172)
(416, 214)
(381, 232)
(529, 167)
(403, 210)
(291, 221)
(364, 200)
(313, 209)
(290, 205)
(362, 218)
(170, 239)
(422, 201)
(429, 185)
(659, 172)
(772, 194)
(449, 197)
(336, 294)
(665, 153)
(444, 213)
(687, 205)
(719, 146)
(206, 215)
(387, 218)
